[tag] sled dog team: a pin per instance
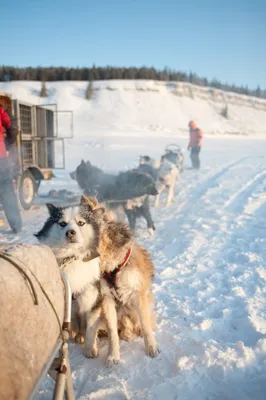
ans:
(131, 190)
(110, 273)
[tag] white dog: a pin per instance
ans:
(168, 174)
(73, 235)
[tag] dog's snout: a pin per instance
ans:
(73, 175)
(71, 233)
(153, 191)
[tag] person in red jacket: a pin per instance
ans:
(195, 143)
(8, 197)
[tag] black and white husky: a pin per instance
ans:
(73, 234)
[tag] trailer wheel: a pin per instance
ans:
(26, 190)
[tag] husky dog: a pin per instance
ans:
(137, 208)
(168, 175)
(127, 189)
(149, 166)
(175, 157)
(73, 235)
(126, 278)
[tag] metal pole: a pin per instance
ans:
(64, 155)
(64, 378)
(67, 328)
(68, 302)
(69, 383)
(60, 386)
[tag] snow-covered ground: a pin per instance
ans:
(210, 287)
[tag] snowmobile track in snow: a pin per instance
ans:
(241, 195)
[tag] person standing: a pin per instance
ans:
(195, 143)
(8, 197)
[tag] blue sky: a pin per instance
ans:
(222, 39)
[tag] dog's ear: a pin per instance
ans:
(51, 208)
(119, 233)
(90, 202)
(98, 213)
(82, 162)
(125, 235)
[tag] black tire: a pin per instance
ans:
(38, 183)
(26, 190)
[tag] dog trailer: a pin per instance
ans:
(41, 134)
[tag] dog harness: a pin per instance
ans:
(110, 277)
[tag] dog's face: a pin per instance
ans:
(72, 227)
(149, 161)
(82, 173)
(145, 160)
(73, 175)
(171, 157)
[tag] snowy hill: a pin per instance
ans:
(163, 108)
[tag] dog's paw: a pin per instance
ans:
(79, 339)
(151, 231)
(112, 361)
(102, 334)
(152, 351)
(74, 334)
(92, 352)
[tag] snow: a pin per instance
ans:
(209, 250)
(152, 107)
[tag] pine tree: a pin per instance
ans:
(224, 112)
(43, 92)
(89, 91)
(45, 74)
(258, 92)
